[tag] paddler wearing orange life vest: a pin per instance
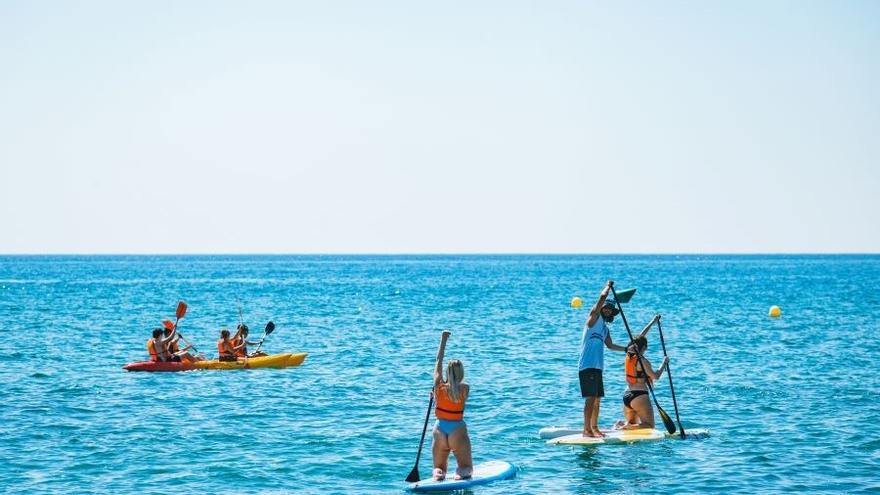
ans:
(175, 353)
(156, 347)
(225, 349)
(239, 341)
(450, 431)
(637, 410)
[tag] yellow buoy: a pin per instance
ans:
(576, 302)
(775, 312)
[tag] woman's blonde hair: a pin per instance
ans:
(454, 377)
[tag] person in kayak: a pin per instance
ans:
(171, 339)
(225, 348)
(175, 353)
(637, 410)
(156, 347)
(450, 432)
(239, 341)
(594, 339)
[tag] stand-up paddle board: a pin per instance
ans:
(484, 473)
(557, 435)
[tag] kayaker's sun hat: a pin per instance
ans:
(610, 303)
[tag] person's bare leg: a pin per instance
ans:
(643, 412)
(591, 405)
(587, 413)
(440, 454)
(594, 419)
(629, 417)
(460, 444)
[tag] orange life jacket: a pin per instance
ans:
(446, 408)
(223, 348)
(629, 364)
(151, 348)
(239, 352)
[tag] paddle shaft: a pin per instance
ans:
(669, 427)
(266, 333)
(187, 342)
(414, 474)
(669, 374)
(260, 344)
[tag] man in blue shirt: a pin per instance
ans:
(595, 338)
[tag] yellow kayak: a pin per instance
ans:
(297, 359)
(271, 361)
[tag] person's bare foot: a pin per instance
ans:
(464, 473)
(439, 475)
(598, 434)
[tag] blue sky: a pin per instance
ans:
(453, 127)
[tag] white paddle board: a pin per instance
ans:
(484, 473)
(558, 435)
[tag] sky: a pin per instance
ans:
(439, 127)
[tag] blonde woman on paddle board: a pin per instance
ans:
(637, 410)
(450, 431)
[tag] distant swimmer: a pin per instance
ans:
(594, 339)
(450, 431)
(637, 410)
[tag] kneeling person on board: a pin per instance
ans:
(594, 339)
(450, 432)
(637, 410)
(224, 347)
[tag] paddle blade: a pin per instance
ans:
(270, 327)
(667, 421)
(623, 296)
(413, 475)
(181, 310)
(168, 324)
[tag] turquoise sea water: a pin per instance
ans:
(792, 403)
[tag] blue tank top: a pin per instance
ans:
(593, 346)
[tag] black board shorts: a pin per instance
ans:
(591, 382)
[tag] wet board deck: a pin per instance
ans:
(484, 473)
(570, 436)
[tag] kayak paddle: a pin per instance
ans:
(240, 318)
(181, 311)
(270, 327)
(667, 421)
(669, 374)
(414, 474)
(625, 295)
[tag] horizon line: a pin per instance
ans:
(467, 254)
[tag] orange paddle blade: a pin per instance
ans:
(181, 309)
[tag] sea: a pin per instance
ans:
(790, 403)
